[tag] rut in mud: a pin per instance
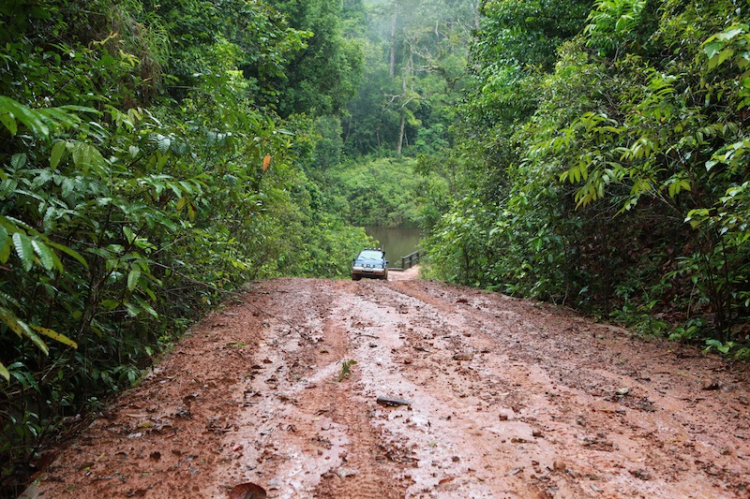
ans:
(508, 398)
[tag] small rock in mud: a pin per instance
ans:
(536, 433)
(389, 402)
(713, 385)
(559, 465)
(446, 480)
(642, 474)
(247, 491)
(463, 356)
(344, 472)
(503, 417)
(644, 404)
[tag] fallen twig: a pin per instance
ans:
(368, 335)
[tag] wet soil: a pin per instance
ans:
(506, 398)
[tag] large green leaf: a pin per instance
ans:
(162, 143)
(7, 119)
(4, 253)
(712, 48)
(18, 160)
(57, 153)
(70, 252)
(145, 306)
(133, 278)
(4, 372)
(56, 115)
(86, 156)
(24, 249)
(25, 115)
(61, 338)
(22, 329)
(4, 238)
(46, 255)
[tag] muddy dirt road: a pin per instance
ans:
(507, 398)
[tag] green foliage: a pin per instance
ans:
(728, 348)
(414, 71)
(377, 191)
(397, 131)
(613, 23)
(321, 78)
(346, 368)
(141, 179)
(329, 147)
(616, 177)
(526, 33)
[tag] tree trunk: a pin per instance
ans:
(393, 39)
(401, 133)
(400, 144)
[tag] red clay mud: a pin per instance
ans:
(506, 398)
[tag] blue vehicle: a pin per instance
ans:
(370, 263)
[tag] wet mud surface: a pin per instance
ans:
(506, 398)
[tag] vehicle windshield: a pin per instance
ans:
(371, 255)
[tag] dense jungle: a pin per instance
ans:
(158, 156)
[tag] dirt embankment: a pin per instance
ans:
(507, 398)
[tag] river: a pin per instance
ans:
(395, 241)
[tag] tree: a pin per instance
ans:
(322, 78)
(415, 64)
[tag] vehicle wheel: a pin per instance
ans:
(356, 277)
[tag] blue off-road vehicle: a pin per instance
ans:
(371, 263)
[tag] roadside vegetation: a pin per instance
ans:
(153, 159)
(602, 159)
(158, 155)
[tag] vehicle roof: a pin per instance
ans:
(371, 254)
